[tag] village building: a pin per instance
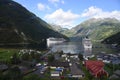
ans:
(96, 68)
(76, 72)
(55, 74)
(57, 64)
(115, 76)
(3, 67)
(109, 58)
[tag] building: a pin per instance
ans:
(55, 74)
(3, 67)
(115, 76)
(57, 64)
(76, 72)
(96, 68)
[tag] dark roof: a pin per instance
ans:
(114, 77)
(55, 72)
(75, 70)
(3, 67)
(117, 72)
(59, 64)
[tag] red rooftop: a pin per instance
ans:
(96, 68)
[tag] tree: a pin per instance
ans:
(80, 56)
(13, 74)
(15, 59)
(51, 58)
(32, 77)
(61, 53)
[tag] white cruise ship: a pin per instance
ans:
(87, 44)
(52, 41)
(55, 40)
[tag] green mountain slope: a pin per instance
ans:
(97, 29)
(65, 31)
(114, 39)
(18, 25)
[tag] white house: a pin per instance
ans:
(55, 73)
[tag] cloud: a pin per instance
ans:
(63, 2)
(56, 1)
(61, 17)
(113, 14)
(71, 19)
(42, 7)
(91, 11)
(53, 1)
(94, 12)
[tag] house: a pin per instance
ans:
(117, 72)
(23, 69)
(96, 68)
(55, 74)
(3, 67)
(75, 56)
(76, 72)
(57, 64)
(70, 55)
(109, 58)
(58, 67)
(116, 75)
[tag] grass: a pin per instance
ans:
(5, 54)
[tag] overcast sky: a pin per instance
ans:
(69, 13)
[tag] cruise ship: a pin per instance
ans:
(55, 40)
(87, 44)
(52, 41)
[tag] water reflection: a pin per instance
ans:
(77, 47)
(67, 47)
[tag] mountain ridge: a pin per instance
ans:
(97, 29)
(18, 25)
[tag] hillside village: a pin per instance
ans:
(65, 66)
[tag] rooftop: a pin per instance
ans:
(59, 64)
(96, 68)
(75, 70)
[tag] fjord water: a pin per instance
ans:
(77, 47)
(68, 47)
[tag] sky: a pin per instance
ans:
(69, 13)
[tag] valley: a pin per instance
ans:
(33, 48)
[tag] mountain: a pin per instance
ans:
(18, 25)
(114, 39)
(65, 31)
(97, 29)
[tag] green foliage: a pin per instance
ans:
(110, 68)
(31, 56)
(51, 58)
(13, 74)
(6, 54)
(15, 59)
(32, 77)
(114, 39)
(61, 53)
(80, 56)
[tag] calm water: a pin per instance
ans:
(77, 47)
(68, 47)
